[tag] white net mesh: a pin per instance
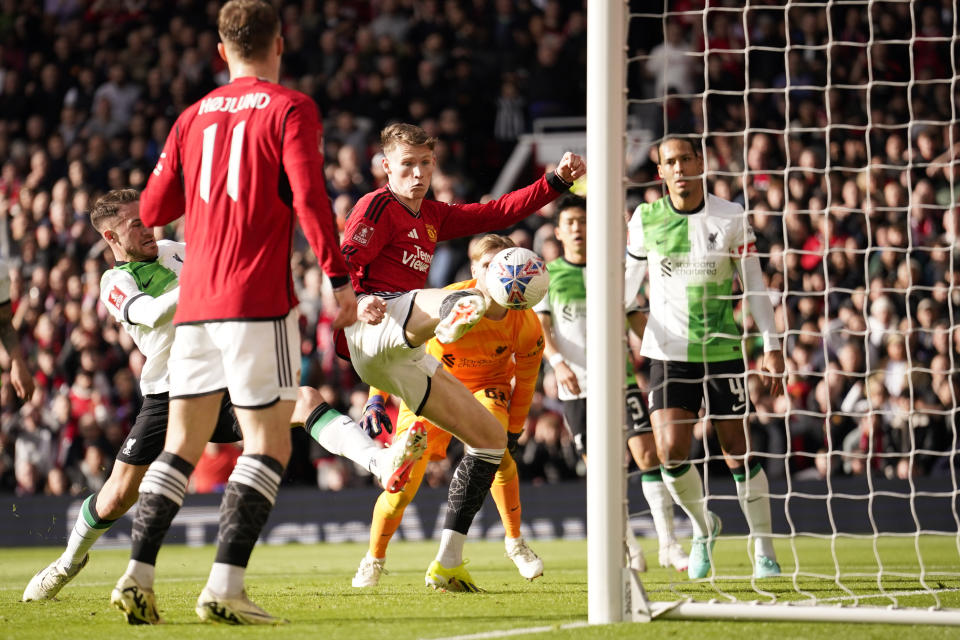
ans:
(835, 124)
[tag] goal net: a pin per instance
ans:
(835, 125)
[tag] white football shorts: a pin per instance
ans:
(257, 361)
(384, 359)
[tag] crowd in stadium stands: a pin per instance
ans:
(855, 210)
(856, 224)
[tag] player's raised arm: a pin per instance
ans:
(468, 219)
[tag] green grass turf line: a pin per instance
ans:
(310, 585)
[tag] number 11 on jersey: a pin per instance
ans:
(233, 164)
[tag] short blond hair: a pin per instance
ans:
(403, 133)
(487, 243)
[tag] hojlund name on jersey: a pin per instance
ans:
(258, 100)
(419, 260)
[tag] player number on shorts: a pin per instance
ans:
(633, 404)
(496, 394)
(737, 389)
(233, 164)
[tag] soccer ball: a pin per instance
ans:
(517, 278)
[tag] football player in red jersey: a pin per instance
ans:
(389, 240)
(242, 164)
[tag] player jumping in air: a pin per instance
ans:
(498, 360)
(389, 240)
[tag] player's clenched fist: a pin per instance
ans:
(571, 167)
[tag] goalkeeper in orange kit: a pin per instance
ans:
(498, 360)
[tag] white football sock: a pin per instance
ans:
(661, 509)
(687, 491)
(754, 498)
(450, 553)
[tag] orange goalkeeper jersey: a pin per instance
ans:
(493, 353)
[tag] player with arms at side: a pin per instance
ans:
(389, 241)
(697, 241)
(141, 293)
(563, 314)
(498, 360)
(242, 164)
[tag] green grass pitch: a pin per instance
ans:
(310, 585)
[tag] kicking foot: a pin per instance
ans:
(458, 313)
(528, 563)
(48, 582)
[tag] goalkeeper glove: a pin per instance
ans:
(375, 419)
(513, 443)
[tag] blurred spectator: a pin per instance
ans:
(546, 451)
(89, 474)
(214, 468)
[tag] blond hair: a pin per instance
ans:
(403, 133)
(490, 242)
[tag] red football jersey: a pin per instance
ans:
(239, 163)
(389, 248)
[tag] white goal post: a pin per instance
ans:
(850, 592)
(606, 122)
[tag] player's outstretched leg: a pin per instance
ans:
(341, 436)
(48, 582)
(97, 514)
(506, 494)
(753, 493)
